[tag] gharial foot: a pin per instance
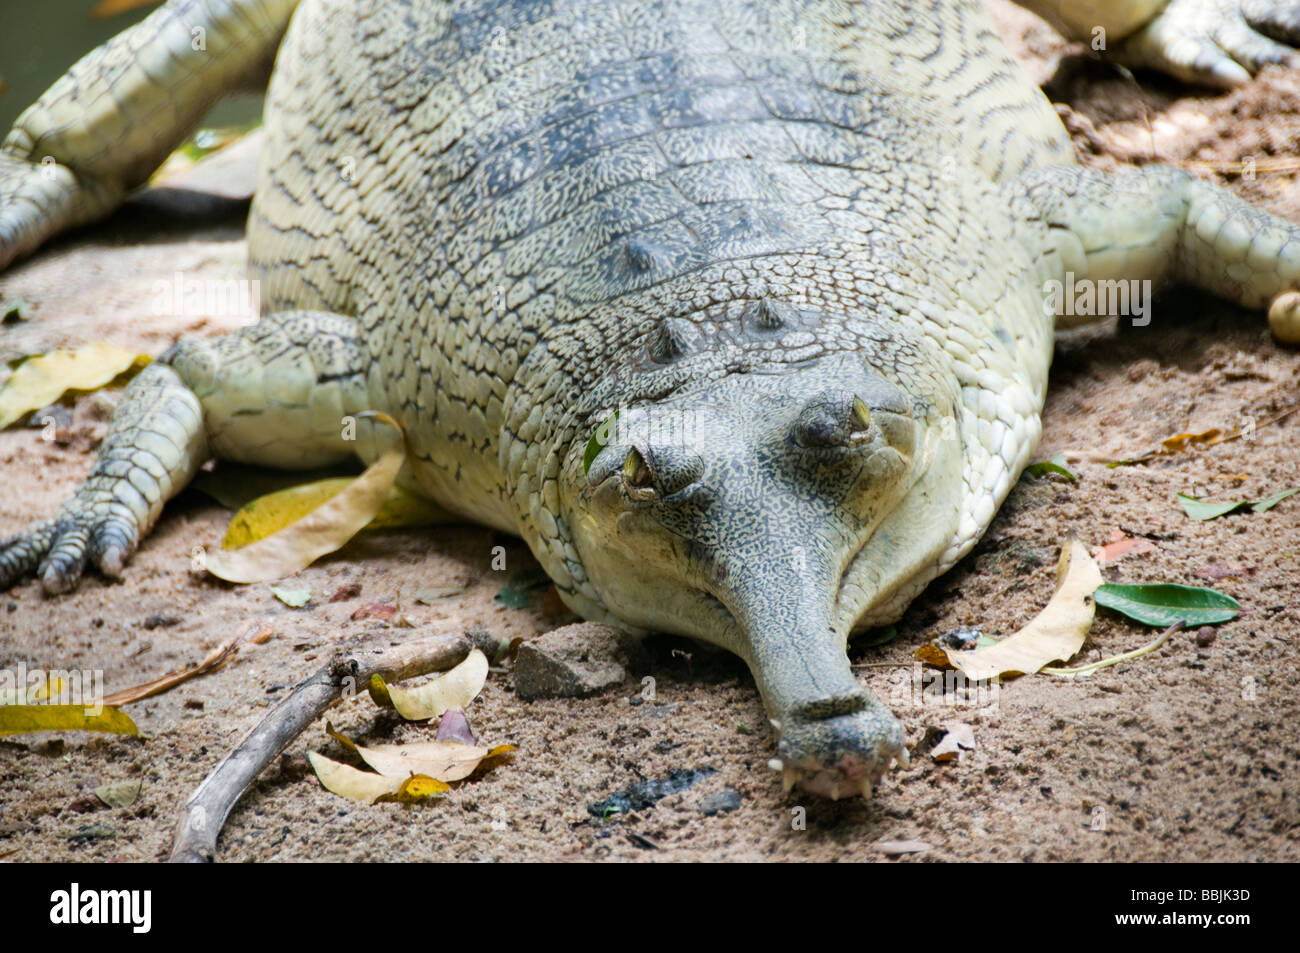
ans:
(1216, 42)
(155, 444)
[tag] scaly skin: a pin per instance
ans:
(799, 248)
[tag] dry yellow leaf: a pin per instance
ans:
(347, 781)
(21, 719)
(453, 689)
(322, 531)
(271, 513)
(444, 760)
(40, 381)
(1055, 633)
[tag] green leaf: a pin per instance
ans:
(1167, 603)
(119, 793)
(1259, 506)
(1055, 465)
(597, 442)
(293, 598)
(1200, 510)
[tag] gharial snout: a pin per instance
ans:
(839, 747)
(743, 528)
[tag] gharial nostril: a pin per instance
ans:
(831, 707)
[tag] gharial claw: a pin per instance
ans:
(1218, 42)
(59, 549)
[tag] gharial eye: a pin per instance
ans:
(860, 418)
(637, 477)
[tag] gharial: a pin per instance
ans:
(799, 248)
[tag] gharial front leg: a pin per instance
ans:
(1167, 226)
(1216, 42)
(273, 394)
(107, 124)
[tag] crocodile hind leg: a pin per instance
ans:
(273, 394)
(1163, 225)
(104, 127)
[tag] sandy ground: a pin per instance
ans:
(1189, 753)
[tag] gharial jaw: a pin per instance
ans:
(827, 767)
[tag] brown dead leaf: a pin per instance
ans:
(1121, 546)
(1055, 633)
(374, 610)
(1182, 441)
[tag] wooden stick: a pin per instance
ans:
(208, 807)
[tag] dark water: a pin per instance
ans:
(40, 39)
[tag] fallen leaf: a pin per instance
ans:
(441, 760)
(454, 726)
(110, 8)
(323, 530)
(598, 440)
(21, 719)
(432, 594)
(293, 598)
(374, 610)
(1184, 440)
(1166, 603)
(349, 782)
(1055, 465)
(1121, 546)
(40, 381)
(1216, 571)
(345, 592)
(1055, 633)
(960, 736)
(453, 689)
(119, 793)
(255, 634)
(1201, 510)
(269, 514)
(235, 485)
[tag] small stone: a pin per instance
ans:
(159, 621)
(1205, 636)
(720, 802)
(346, 591)
(575, 661)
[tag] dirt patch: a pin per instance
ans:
(1187, 754)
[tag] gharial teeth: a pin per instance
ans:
(903, 758)
(866, 789)
(789, 777)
